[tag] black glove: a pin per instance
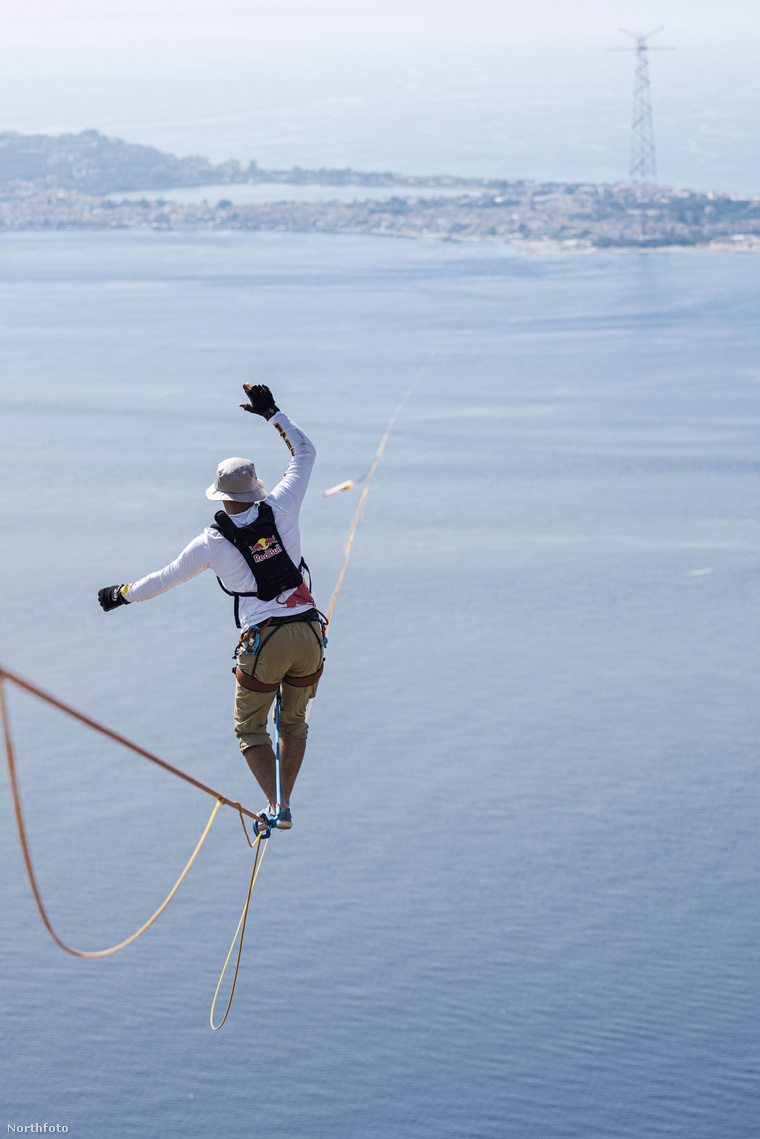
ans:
(111, 597)
(262, 400)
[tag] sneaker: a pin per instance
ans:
(284, 821)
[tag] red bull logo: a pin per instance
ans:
(265, 548)
(263, 544)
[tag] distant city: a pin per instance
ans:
(74, 182)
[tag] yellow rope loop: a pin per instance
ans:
(260, 851)
(159, 911)
(9, 754)
(257, 818)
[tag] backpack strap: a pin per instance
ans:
(224, 524)
(237, 597)
(227, 528)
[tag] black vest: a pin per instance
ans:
(262, 547)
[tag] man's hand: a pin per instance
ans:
(261, 400)
(111, 597)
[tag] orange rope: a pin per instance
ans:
(104, 731)
(242, 823)
(11, 759)
(28, 858)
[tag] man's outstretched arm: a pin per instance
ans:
(289, 492)
(193, 560)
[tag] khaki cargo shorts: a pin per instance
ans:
(294, 649)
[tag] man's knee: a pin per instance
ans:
(251, 714)
(252, 738)
(296, 729)
(295, 701)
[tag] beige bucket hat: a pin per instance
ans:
(237, 482)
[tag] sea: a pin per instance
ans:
(520, 896)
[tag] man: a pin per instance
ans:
(255, 550)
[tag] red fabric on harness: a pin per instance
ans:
(299, 596)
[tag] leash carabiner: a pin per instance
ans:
(248, 645)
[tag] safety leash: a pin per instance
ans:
(278, 780)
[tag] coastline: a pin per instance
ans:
(548, 247)
(550, 224)
(540, 247)
(89, 181)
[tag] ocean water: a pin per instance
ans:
(520, 897)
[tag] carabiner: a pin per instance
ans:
(246, 646)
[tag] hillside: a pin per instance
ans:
(94, 164)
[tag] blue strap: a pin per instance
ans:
(277, 707)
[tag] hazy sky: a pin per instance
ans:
(488, 87)
(360, 19)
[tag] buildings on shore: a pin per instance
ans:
(77, 181)
(529, 215)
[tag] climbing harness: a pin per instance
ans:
(282, 569)
(251, 644)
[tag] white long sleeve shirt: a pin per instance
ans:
(211, 550)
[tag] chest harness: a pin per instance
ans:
(262, 548)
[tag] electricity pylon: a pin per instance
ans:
(643, 154)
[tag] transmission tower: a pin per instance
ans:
(643, 154)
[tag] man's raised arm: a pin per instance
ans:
(290, 491)
(288, 495)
